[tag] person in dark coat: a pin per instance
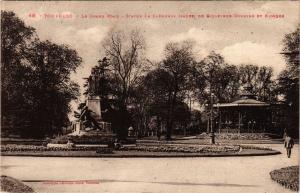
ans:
(288, 144)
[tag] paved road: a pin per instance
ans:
(155, 175)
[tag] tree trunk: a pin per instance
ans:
(171, 117)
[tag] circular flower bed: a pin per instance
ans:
(164, 148)
(287, 177)
(183, 148)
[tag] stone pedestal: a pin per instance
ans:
(93, 104)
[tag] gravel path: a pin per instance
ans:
(145, 175)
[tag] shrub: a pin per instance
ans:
(61, 139)
(128, 140)
(287, 177)
(183, 148)
(236, 136)
(104, 150)
(31, 148)
(85, 139)
(255, 147)
(9, 184)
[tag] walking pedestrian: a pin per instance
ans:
(288, 144)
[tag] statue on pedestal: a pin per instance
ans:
(90, 115)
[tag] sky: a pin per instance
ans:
(240, 39)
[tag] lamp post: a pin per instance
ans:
(212, 132)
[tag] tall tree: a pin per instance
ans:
(125, 52)
(51, 87)
(229, 84)
(158, 85)
(224, 82)
(260, 79)
(35, 84)
(209, 72)
(153, 101)
(178, 62)
(16, 39)
(289, 78)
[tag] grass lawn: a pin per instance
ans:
(287, 177)
(9, 184)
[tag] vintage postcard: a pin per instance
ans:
(150, 96)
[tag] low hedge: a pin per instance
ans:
(182, 148)
(255, 147)
(85, 139)
(105, 150)
(287, 177)
(128, 140)
(236, 136)
(20, 148)
(147, 148)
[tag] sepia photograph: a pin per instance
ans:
(150, 96)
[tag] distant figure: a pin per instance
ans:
(117, 144)
(130, 132)
(70, 144)
(284, 133)
(288, 144)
